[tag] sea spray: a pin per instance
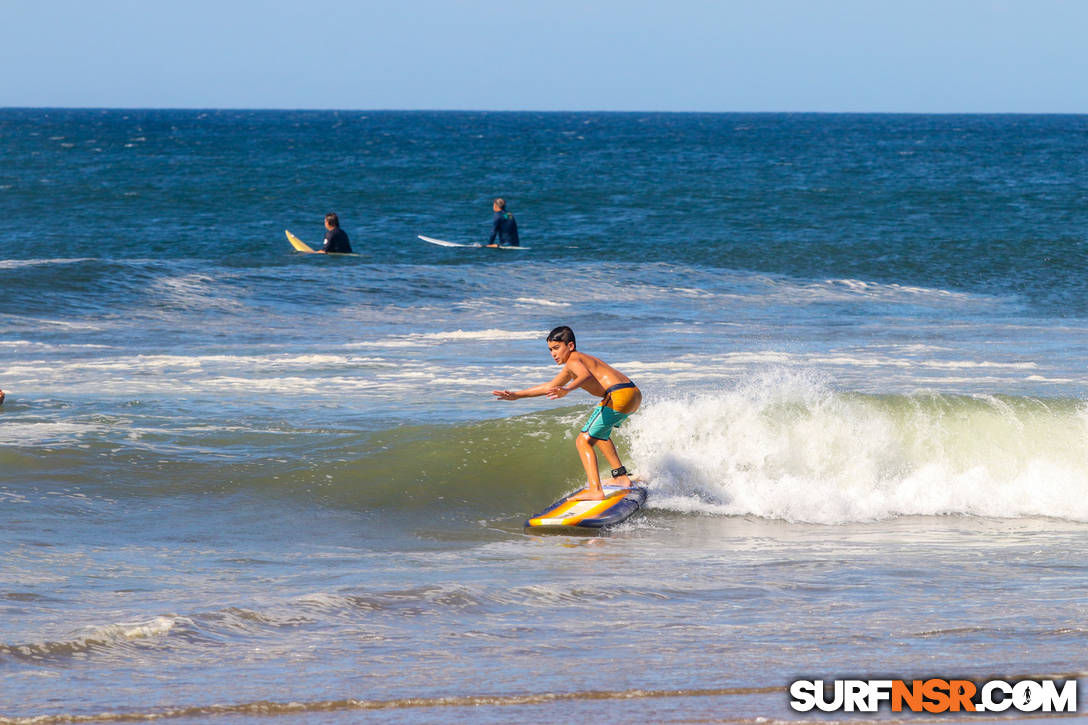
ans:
(791, 447)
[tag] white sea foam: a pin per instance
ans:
(46, 432)
(10, 323)
(857, 286)
(541, 302)
(860, 369)
(436, 338)
(20, 263)
(28, 345)
(720, 286)
(99, 636)
(789, 447)
(195, 290)
(153, 627)
(390, 373)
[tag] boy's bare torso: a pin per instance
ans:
(603, 375)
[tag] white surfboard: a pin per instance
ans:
(444, 243)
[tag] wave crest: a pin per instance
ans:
(788, 447)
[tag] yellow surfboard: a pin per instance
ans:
(618, 505)
(298, 244)
(301, 246)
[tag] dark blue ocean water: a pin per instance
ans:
(987, 204)
(234, 477)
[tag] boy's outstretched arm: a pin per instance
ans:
(535, 391)
(577, 375)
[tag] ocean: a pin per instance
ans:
(239, 484)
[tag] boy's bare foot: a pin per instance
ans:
(587, 495)
(623, 481)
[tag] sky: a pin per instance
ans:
(921, 56)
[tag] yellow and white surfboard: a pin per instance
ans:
(618, 505)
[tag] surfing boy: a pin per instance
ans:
(619, 398)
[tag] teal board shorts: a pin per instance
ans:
(625, 397)
(601, 422)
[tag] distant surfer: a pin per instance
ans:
(619, 398)
(336, 239)
(504, 226)
(1, 397)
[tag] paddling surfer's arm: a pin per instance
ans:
(537, 390)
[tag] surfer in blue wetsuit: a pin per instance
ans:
(336, 239)
(504, 226)
(619, 398)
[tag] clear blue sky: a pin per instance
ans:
(1023, 56)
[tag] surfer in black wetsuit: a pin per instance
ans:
(336, 239)
(504, 226)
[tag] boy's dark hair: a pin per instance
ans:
(333, 219)
(562, 334)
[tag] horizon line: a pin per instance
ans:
(535, 110)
